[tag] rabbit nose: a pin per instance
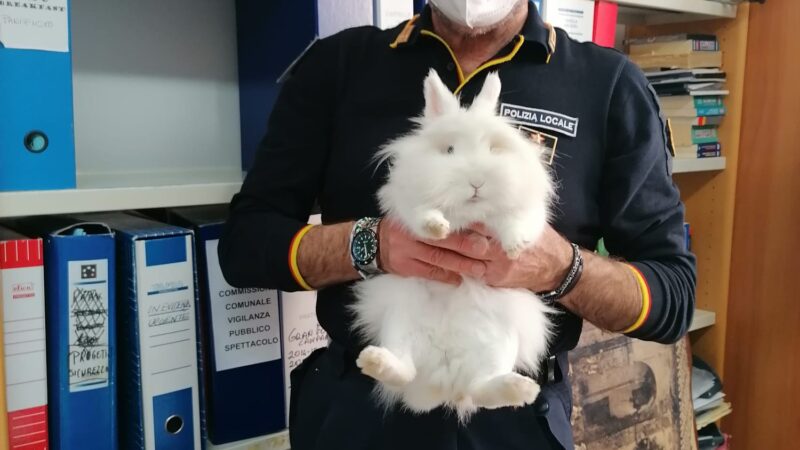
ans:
(477, 185)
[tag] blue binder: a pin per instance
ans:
(79, 262)
(244, 375)
(267, 47)
(37, 149)
(159, 390)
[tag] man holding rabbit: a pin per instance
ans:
(609, 154)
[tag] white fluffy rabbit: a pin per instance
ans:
(436, 344)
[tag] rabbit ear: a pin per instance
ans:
(489, 95)
(438, 98)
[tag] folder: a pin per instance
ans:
(159, 390)
(244, 378)
(261, 30)
(301, 332)
(605, 23)
(37, 149)
(80, 311)
(22, 296)
(3, 410)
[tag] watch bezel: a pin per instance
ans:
(357, 242)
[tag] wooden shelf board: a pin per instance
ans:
(29, 203)
(667, 11)
(277, 441)
(685, 165)
(702, 319)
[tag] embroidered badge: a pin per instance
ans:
(548, 142)
(540, 118)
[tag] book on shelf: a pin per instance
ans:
(711, 150)
(685, 75)
(692, 106)
(713, 415)
(696, 121)
(710, 437)
(684, 134)
(678, 51)
(673, 44)
(691, 60)
(694, 89)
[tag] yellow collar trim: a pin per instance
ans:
(450, 50)
(405, 33)
(493, 62)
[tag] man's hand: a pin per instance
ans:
(477, 254)
(539, 268)
(607, 295)
(441, 260)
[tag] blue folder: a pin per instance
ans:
(159, 389)
(272, 35)
(37, 149)
(79, 262)
(244, 397)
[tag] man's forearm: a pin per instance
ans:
(607, 294)
(323, 256)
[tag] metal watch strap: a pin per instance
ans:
(371, 268)
(569, 282)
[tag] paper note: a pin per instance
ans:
(88, 325)
(34, 25)
(245, 321)
(576, 17)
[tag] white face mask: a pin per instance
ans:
(475, 13)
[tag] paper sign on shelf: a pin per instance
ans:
(35, 25)
(246, 327)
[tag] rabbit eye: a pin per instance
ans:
(450, 149)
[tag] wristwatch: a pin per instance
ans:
(364, 247)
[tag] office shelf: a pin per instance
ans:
(666, 11)
(684, 165)
(702, 319)
(129, 192)
(277, 441)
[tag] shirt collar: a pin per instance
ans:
(535, 30)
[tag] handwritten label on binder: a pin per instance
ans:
(34, 25)
(302, 332)
(245, 321)
(88, 325)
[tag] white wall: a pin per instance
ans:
(156, 91)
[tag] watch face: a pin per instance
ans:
(364, 247)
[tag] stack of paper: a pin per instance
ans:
(709, 403)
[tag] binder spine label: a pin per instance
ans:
(245, 322)
(88, 325)
(35, 25)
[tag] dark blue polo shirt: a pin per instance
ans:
(355, 90)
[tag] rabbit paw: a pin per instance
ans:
(382, 365)
(435, 226)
